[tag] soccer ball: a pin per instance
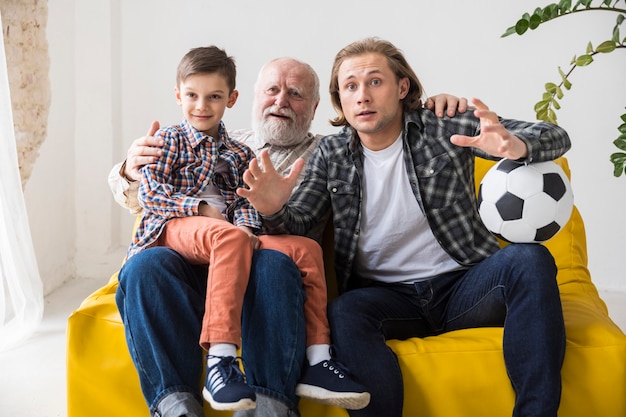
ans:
(525, 203)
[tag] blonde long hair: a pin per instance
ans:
(397, 63)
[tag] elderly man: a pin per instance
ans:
(161, 296)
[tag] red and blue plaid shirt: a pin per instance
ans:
(171, 187)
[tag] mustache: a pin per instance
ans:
(277, 111)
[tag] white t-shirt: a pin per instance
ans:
(211, 194)
(396, 243)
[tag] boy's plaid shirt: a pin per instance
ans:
(169, 188)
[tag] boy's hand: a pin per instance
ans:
(207, 210)
(254, 239)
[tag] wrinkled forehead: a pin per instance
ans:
(286, 74)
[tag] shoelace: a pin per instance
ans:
(223, 371)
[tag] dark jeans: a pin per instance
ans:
(161, 301)
(515, 288)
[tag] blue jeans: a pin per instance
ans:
(515, 288)
(161, 300)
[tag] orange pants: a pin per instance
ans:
(228, 251)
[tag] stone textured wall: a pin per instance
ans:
(26, 46)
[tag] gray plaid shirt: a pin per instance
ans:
(441, 175)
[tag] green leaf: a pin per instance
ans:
(618, 157)
(618, 167)
(541, 106)
(622, 128)
(556, 104)
(565, 5)
(521, 26)
(551, 117)
(619, 160)
(584, 60)
(550, 12)
(559, 94)
(535, 21)
(589, 48)
(567, 84)
(551, 88)
(542, 115)
(615, 37)
(620, 142)
(508, 32)
(623, 117)
(606, 47)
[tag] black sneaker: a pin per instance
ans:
(225, 387)
(328, 383)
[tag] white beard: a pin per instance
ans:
(281, 132)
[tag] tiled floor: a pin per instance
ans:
(32, 377)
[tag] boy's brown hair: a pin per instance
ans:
(207, 60)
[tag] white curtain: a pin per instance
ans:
(21, 294)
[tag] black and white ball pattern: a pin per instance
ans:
(525, 203)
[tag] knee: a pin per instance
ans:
(534, 267)
(307, 245)
(533, 257)
(348, 307)
(156, 263)
(274, 271)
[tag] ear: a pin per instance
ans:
(315, 109)
(404, 85)
(232, 99)
(177, 94)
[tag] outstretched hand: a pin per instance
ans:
(494, 139)
(143, 151)
(269, 191)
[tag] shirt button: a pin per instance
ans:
(334, 189)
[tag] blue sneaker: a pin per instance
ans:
(225, 387)
(329, 383)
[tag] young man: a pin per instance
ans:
(286, 97)
(411, 253)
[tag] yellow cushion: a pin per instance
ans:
(459, 373)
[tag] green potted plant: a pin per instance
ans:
(549, 103)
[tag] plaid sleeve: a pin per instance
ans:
(158, 189)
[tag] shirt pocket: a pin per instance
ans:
(344, 202)
(440, 182)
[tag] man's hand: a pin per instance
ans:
(494, 138)
(143, 151)
(446, 102)
(269, 191)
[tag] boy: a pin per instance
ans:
(187, 195)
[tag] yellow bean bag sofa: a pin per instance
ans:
(460, 373)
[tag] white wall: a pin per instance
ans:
(112, 72)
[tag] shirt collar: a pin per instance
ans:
(196, 137)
